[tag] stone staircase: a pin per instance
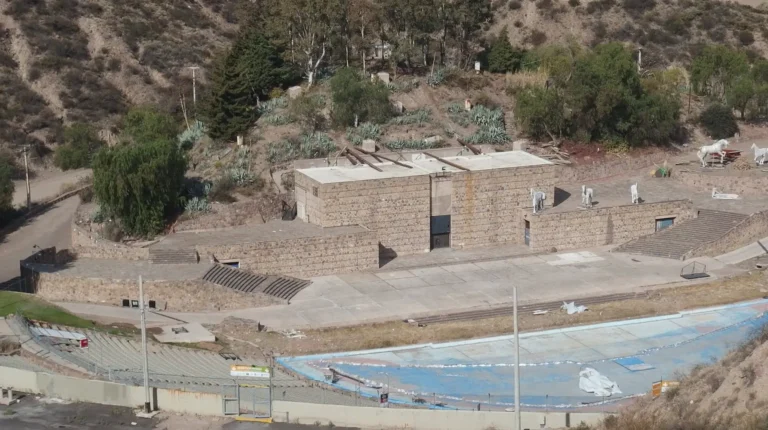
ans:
(676, 241)
(172, 256)
(282, 287)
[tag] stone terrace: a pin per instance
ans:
(615, 192)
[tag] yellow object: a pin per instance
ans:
(253, 420)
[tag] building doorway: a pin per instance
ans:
(440, 231)
(527, 232)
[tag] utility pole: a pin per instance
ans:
(147, 404)
(639, 59)
(518, 418)
(194, 88)
(26, 174)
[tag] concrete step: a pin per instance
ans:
(173, 256)
(678, 240)
(282, 287)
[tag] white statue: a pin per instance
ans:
(715, 148)
(635, 195)
(586, 196)
(538, 200)
(760, 154)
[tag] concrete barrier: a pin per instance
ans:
(179, 401)
(422, 419)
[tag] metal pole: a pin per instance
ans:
(518, 418)
(194, 89)
(26, 173)
(147, 405)
(271, 370)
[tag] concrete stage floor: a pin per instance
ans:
(463, 374)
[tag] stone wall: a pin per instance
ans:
(309, 206)
(602, 226)
(396, 209)
(748, 231)
(612, 166)
(177, 296)
(88, 244)
(485, 204)
(303, 257)
(743, 184)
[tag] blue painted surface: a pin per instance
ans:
(463, 374)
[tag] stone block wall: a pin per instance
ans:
(87, 244)
(752, 229)
(303, 257)
(178, 296)
(486, 204)
(396, 209)
(306, 189)
(746, 185)
(602, 226)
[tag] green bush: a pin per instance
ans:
(418, 116)
(305, 146)
(718, 121)
(492, 135)
(540, 112)
(189, 137)
(147, 123)
(277, 119)
(502, 57)
(364, 131)
(356, 99)
(307, 110)
(269, 106)
(81, 144)
(6, 186)
(401, 144)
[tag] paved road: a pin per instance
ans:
(46, 187)
(390, 295)
(51, 228)
(632, 353)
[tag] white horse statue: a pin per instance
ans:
(635, 195)
(760, 154)
(538, 200)
(715, 148)
(586, 196)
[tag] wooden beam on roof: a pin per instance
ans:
(381, 157)
(362, 159)
(475, 150)
(444, 161)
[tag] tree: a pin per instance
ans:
(503, 57)
(6, 186)
(540, 113)
(716, 68)
(307, 110)
(139, 184)
(81, 144)
(719, 122)
(357, 100)
(147, 123)
(363, 19)
(240, 78)
(740, 93)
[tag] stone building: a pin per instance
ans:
(428, 202)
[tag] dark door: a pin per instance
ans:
(527, 232)
(441, 241)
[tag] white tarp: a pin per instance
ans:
(571, 308)
(591, 381)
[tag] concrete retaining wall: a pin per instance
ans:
(179, 401)
(377, 418)
(750, 230)
(602, 226)
(108, 393)
(744, 185)
(178, 296)
(303, 257)
(86, 244)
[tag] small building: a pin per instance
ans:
(428, 202)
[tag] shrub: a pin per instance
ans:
(356, 99)
(197, 205)
(746, 37)
(221, 189)
(241, 177)
(487, 117)
(144, 124)
(418, 116)
(503, 57)
(639, 6)
(437, 78)
(718, 121)
(277, 119)
(6, 185)
(544, 4)
(86, 195)
(514, 5)
(492, 135)
(270, 105)
(189, 137)
(81, 145)
(538, 37)
(574, 3)
(306, 146)
(363, 132)
(307, 109)
(400, 144)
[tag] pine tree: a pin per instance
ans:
(502, 57)
(242, 77)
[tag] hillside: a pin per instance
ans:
(64, 61)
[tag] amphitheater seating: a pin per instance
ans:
(282, 287)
